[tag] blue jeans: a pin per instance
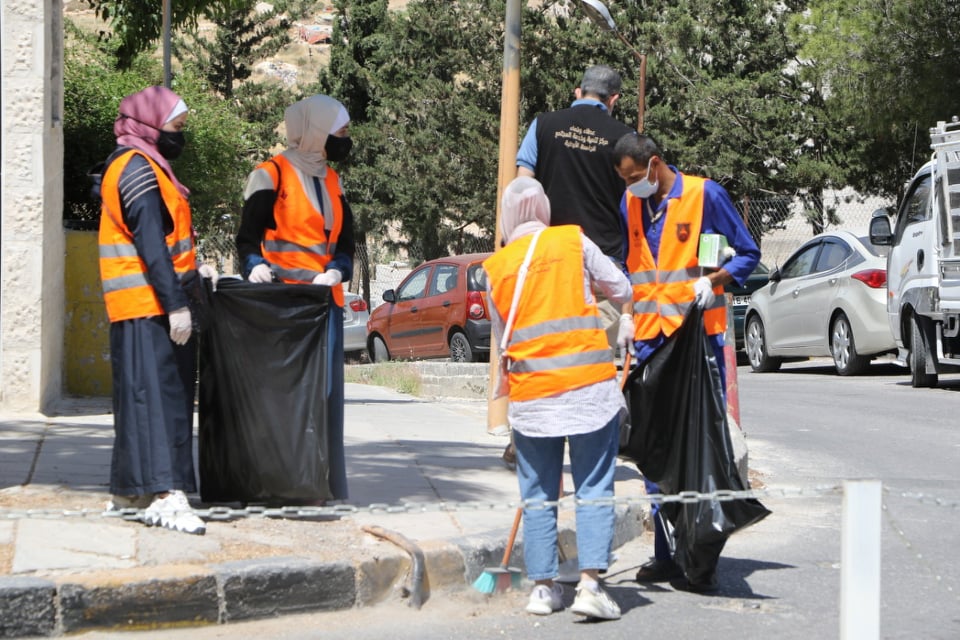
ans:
(593, 458)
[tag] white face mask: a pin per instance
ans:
(644, 188)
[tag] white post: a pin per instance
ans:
(860, 561)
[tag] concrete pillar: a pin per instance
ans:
(32, 239)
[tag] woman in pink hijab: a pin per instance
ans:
(147, 264)
(561, 383)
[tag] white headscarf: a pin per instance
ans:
(309, 122)
(524, 208)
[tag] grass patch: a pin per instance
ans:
(398, 376)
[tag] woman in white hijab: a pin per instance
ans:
(297, 228)
(561, 386)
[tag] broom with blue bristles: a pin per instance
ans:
(497, 579)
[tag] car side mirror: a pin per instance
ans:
(774, 275)
(880, 233)
(390, 296)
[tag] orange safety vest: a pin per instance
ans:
(558, 342)
(127, 291)
(299, 248)
(663, 290)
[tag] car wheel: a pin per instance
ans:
(460, 350)
(919, 355)
(844, 350)
(378, 350)
(756, 345)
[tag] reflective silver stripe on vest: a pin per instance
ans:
(125, 282)
(665, 277)
(554, 326)
(679, 275)
(643, 277)
(300, 275)
(645, 306)
(530, 365)
(118, 251)
(718, 301)
(130, 251)
(133, 280)
(285, 246)
(183, 246)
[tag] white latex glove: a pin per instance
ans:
(704, 292)
(181, 325)
(206, 271)
(625, 334)
(331, 278)
(261, 273)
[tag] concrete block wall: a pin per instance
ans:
(31, 227)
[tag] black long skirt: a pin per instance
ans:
(153, 393)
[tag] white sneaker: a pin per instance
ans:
(173, 512)
(545, 600)
(595, 604)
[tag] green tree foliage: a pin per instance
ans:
(424, 105)
(93, 89)
(722, 99)
(890, 69)
(217, 156)
(136, 25)
(242, 36)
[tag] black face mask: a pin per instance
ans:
(338, 148)
(171, 143)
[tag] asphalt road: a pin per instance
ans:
(808, 430)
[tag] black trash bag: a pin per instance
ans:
(679, 439)
(263, 414)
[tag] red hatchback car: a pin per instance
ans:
(438, 311)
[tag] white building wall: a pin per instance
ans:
(31, 227)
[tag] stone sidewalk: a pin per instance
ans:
(66, 567)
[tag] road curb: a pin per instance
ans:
(181, 595)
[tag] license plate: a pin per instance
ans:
(741, 301)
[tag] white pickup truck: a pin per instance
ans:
(923, 265)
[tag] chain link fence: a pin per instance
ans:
(780, 224)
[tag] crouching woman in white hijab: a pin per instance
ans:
(561, 383)
(297, 228)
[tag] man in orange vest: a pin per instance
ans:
(297, 228)
(666, 211)
(147, 263)
(561, 381)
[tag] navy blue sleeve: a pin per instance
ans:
(147, 218)
(346, 244)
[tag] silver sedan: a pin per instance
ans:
(828, 299)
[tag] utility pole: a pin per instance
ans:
(166, 42)
(509, 139)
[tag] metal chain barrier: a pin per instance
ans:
(341, 510)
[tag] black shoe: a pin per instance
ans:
(659, 571)
(509, 457)
(701, 586)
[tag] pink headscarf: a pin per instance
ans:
(142, 114)
(524, 208)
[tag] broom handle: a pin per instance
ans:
(626, 370)
(512, 538)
